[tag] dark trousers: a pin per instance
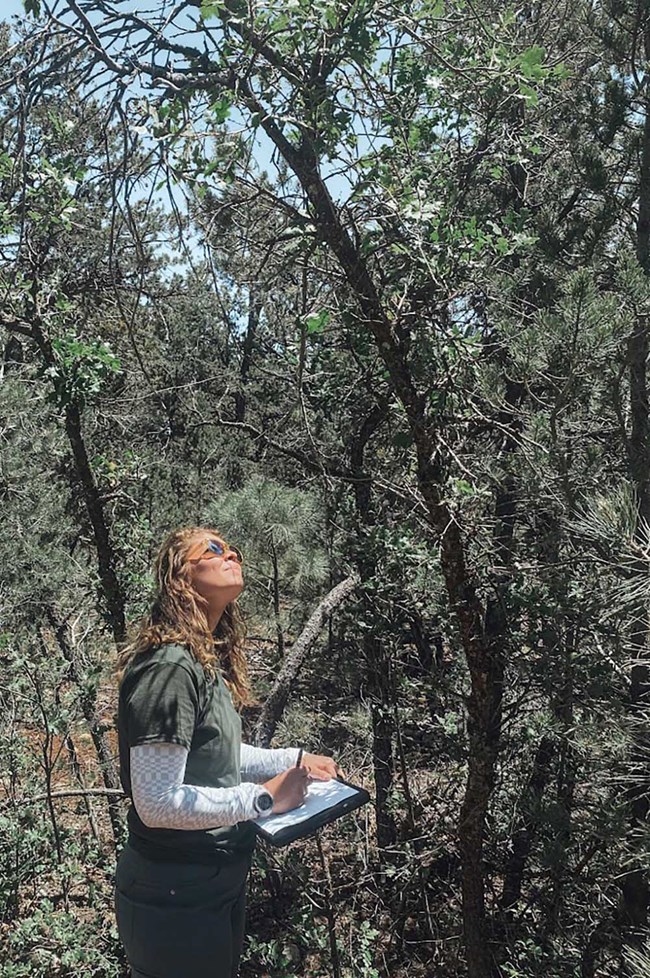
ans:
(180, 920)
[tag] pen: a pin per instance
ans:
(299, 757)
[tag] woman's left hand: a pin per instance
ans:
(321, 767)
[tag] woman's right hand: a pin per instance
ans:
(288, 789)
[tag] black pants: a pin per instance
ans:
(180, 920)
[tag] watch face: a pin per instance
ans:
(265, 802)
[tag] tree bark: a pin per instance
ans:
(106, 556)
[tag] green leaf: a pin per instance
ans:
(561, 71)
(331, 17)
(463, 487)
(316, 321)
(221, 107)
(529, 93)
(210, 8)
(280, 23)
(531, 63)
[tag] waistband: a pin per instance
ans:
(173, 854)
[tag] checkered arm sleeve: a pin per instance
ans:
(163, 801)
(259, 764)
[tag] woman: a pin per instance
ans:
(195, 788)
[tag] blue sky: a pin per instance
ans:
(10, 7)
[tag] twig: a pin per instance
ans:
(65, 794)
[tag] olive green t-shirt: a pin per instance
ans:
(166, 697)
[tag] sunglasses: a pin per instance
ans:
(207, 549)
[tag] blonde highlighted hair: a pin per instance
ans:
(178, 615)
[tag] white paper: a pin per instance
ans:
(320, 796)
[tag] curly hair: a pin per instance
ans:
(178, 615)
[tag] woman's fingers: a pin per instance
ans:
(322, 768)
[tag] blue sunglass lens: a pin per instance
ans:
(217, 548)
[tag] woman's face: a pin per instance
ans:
(217, 579)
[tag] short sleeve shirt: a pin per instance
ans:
(166, 697)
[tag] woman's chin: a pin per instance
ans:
(232, 589)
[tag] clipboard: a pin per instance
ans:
(326, 801)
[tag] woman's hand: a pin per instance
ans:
(321, 767)
(288, 789)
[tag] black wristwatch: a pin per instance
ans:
(263, 803)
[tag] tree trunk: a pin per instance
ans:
(562, 706)
(636, 893)
(106, 557)
(523, 835)
(378, 673)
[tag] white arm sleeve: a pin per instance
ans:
(163, 801)
(259, 764)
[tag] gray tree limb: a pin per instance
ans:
(277, 700)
